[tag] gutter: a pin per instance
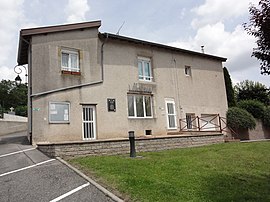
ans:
(80, 85)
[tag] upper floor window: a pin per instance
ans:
(188, 70)
(145, 72)
(70, 60)
(140, 106)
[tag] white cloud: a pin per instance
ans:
(213, 11)
(76, 10)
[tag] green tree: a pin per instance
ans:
(259, 27)
(229, 88)
(255, 107)
(12, 95)
(250, 90)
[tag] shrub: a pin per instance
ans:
(238, 118)
(255, 107)
(21, 111)
(266, 117)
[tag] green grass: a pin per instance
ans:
(223, 172)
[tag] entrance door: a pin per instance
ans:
(171, 114)
(89, 122)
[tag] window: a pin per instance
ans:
(171, 114)
(191, 121)
(188, 70)
(59, 112)
(140, 106)
(70, 60)
(144, 66)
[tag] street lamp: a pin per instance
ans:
(18, 70)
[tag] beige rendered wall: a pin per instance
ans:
(202, 93)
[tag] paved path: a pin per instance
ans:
(26, 174)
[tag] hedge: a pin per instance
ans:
(238, 118)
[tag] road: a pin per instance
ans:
(28, 175)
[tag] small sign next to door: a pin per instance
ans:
(111, 105)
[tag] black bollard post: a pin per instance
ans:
(132, 143)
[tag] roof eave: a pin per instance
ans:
(138, 41)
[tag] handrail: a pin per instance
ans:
(215, 123)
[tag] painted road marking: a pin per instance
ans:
(24, 168)
(70, 192)
(17, 152)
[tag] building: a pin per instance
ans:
(85, 85)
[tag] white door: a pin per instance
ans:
(89, 122)
(171, 114)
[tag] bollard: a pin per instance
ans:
(131, 137)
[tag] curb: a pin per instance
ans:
(98, 186)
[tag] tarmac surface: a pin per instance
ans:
(26, 174)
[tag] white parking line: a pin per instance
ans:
(24, 168)
(17, 152)
(70, 192)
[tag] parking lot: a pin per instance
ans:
(26, 174)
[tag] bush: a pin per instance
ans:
(21, 111)
(238, 118)
(266, 117)
(255, 107)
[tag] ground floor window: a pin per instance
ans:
(89, 122)
(171, 114)
(140, 106)
(209, 122)
(59, 112)
(191, 120)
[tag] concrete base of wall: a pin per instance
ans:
(122, 146)
(8, 127)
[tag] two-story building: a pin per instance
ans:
(85, 85)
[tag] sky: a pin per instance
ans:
(187, 24)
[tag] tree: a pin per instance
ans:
(12, 95)
(250, 90)
(259, 27)
(229, 88)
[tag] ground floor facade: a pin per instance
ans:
(99, 112)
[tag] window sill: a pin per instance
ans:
(70, 72)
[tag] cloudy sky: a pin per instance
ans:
(188, 24)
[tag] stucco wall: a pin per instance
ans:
(202, 93)
(12, 124)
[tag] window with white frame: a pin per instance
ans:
(70, 60)
(144, 67)
(59, 112)
(171, 114)
(140, 106)
(187, 70)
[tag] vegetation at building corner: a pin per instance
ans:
(229, 88)
(246, 100)
(12, 95)
(238, 118)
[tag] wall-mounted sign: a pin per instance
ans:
(111, 105)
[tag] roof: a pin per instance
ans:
(152, 44)
(26, 34)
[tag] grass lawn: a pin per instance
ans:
(223, 172)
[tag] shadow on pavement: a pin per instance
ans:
(17, 138)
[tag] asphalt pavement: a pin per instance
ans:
(28, 175)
